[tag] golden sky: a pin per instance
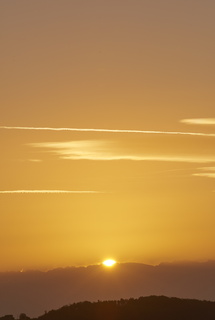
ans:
(141, 188)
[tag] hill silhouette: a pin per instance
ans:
(147, 308)
(33, 292)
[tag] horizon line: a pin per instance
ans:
(77, 266)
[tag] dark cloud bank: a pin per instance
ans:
(35, 292)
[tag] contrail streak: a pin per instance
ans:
(112, 131)
(48, 191)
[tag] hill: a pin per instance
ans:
(147, 308)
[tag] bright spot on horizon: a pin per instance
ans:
(109, 263)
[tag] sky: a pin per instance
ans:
(107, 132)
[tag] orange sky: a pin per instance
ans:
(117, 65)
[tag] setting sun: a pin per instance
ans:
(109, 263)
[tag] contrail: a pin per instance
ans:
(48, 191)
(112, 131)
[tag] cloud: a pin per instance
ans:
(200, 121)
(112, 131)
(207, 175)
(47, 191)
(107, 150)
(35, 160)
(207, 168)
(30, 160)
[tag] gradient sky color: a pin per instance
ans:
(141, 188)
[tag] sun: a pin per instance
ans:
(109, 263)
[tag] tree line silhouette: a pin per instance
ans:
(144, 308)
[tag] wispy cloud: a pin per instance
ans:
(200, 121)
(35, 160)
(206, 174)
(207, 168)
(112, 131)
(47, 191)
(30, 160)
(107, 150)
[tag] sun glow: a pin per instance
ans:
(109, 263)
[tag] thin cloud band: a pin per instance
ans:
(47, 191)
(111, 131)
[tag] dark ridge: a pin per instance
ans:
(147, 308)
